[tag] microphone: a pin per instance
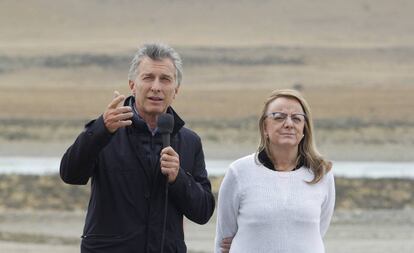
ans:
(165, 124)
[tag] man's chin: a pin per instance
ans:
(154, 108)
(156, 111)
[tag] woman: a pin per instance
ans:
(280, 199)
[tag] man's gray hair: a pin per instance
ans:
(156, 51)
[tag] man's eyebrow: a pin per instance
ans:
(167, 75)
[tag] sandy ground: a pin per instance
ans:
(48, 25)
(351, 231)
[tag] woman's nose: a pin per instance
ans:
(288, 122)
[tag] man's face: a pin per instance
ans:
(155, 86)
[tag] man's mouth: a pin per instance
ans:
(155, 99)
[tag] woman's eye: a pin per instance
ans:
(279, 117)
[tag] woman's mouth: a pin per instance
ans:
(287, 134)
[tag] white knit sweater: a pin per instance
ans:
(271, 211)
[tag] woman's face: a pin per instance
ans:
(284, 123)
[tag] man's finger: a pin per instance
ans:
(169, 164)
(123, 109)
(169, 151)
(169, 158)
(121, 117)
(122, 123)
(115, 102)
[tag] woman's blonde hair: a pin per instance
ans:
(308, 155)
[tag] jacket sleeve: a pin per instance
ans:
(78, 162)
(227, 209)
(192, 192)
(328, 205)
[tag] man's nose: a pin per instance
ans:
(156, 85)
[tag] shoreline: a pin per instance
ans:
(229, 150)
(49, 165)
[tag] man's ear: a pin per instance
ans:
(132, 87)
(176, 90)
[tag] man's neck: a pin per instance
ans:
(149, 119)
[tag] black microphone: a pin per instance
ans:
(165, 124)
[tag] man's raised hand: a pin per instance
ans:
(116, 115)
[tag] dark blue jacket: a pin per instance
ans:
(126, 208)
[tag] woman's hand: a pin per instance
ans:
(225, 244)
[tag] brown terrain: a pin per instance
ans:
(60, 62)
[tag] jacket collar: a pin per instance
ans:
(141, 125)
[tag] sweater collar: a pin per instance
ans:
(265, 160)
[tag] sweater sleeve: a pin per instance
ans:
(328, 205)
(78, 163)
(228, 208)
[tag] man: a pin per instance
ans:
(122, 153)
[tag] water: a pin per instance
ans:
(29, 165)
(50, 165)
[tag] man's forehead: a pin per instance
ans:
(149, 65)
